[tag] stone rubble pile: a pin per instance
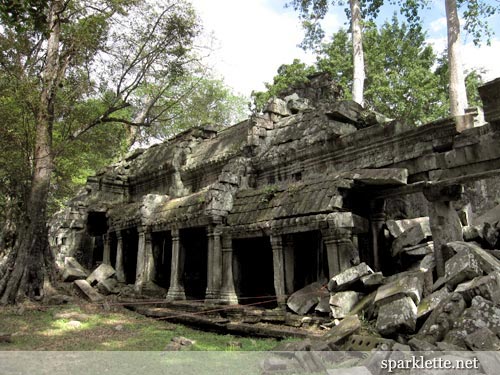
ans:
(414, 309)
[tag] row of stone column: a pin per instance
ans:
(220, 281)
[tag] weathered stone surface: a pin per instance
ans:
(296, 104)
(421, 345)
(410, 237)
(343, 280)
(487, 262)
(484, 286)
(397, 227)
(408, 286)
(430, 302)
(344, 329)
(367, 343)
(442, 318)
(491, 217)
(346, 111)
(483, 339)
(73, 270)
(379, 177)
(372, 280)
(341, 303)
(107, 286)
(466, 215)
(482, 313)
(490, 362)
(420, 249)
(277, 106)
(324, 305)
(461, 267)
(103, 272)
(365, 306)
(306, 298)
(84, 287)
(397, 316)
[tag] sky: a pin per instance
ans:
(252, 38)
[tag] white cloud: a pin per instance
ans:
(483, 57)
(438, 25)
(254, 40)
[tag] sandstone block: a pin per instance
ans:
(341, 303)
(84, 288)
(103, 272)
(461, 267)
(397, 227)
(344, 329)
(487, 261)
(397, 316)
(411, 285)
(306, 298)
(430, 302)
(410, 237)
(346, 278)
(73, 270)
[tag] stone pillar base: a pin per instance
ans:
(175, 294)
(229, 297)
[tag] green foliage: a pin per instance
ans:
(288, 75)
(402, 79)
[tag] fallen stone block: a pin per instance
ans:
(86, 289)
(306, 298)
(483, 339)
(408, 286)
(324, 305)
(372, 280)
(461, 267)
(341, 303)
(482, 313)
(365, 343)
(346, 278)
(73, 270)
(432, 301)
(422, 249)
(487, 261)
(107, 286)
(442, 318)
(484, 286)
(410, 237)
(397, 227)
(421, 345)
(103, 272)
(428, 263)
(277, 106)
(365, 306)
(336, 335)
(397, 316)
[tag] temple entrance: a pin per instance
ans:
(162, 255)
(253, 271)
(194, 250)
(130, 249)
(97, 226)
(305, 260)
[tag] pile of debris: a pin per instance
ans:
(94, 286)
(414, 309)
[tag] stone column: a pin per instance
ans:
(339, 248)
(176, 289)
(289, 255)
(377, 220)
(279, 268)
(141, 269)
(228, 292)
(106, 255)
(444, 221)
(214, 264)
(120, 273)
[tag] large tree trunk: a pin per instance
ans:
(458, 95)
(357, 50)
(31, 258)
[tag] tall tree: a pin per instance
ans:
(100, 49)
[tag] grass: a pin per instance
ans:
(53, 328)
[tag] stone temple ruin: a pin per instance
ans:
(315, 190)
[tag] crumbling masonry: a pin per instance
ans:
(279, 201)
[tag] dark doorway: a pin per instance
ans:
(113, 243)
(130, 249)
(162, 255)
(253, 272)
(194, 250)
(97, 226)
(309, 258)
